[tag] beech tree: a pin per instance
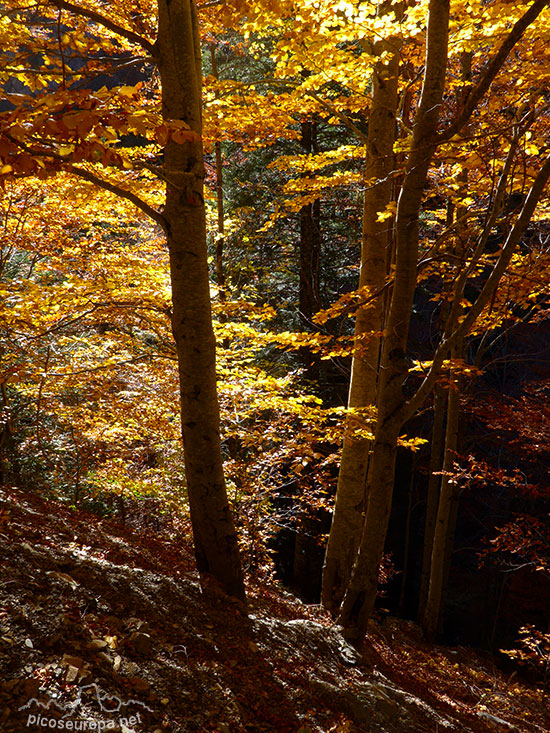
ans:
(384, 73)
(376, 254)
(431, 131)
(410, 133)
(179, 64)
(393, 408)
(59, 128)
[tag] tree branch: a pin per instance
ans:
(118, 191)
(483, 84)
(287, 84)
(341, 116)
(101, 367)
(106, 23)
(210, 4)
(517, 231)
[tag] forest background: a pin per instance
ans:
(321, 123)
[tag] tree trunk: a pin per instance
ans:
(10, 471)
(407, 538)
(347, 521)
(220, 237)
(434, 481)
(358, 602)
(446, 513)
(361, 594)
(214, 533)
(310, 240)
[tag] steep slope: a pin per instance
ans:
(106, 628)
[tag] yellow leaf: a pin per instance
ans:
(127, 91)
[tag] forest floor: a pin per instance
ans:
(105, 627)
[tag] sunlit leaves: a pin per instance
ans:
(86, 314)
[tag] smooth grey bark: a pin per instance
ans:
(360, 597)
(393, 409)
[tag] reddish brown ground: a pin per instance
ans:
(90, 608)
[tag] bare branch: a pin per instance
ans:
(106, 23)
(118, 191)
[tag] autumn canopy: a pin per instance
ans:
(280, 269)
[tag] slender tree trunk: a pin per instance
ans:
(434, 481)
(179, 63)
(347, 521)
(360, 596)
(449, 548)
(10, 470)
(220, 238)
(310, 239)
(407, 537)
(393, 409)
(444, 528)
(444, 503)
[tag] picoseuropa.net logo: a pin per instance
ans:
(55, 715)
